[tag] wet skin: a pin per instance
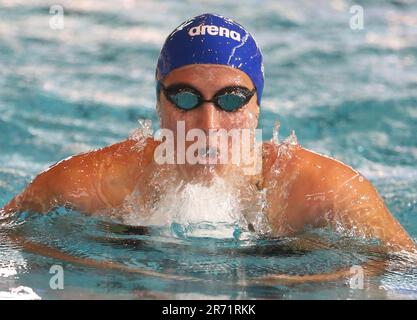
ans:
(303, 188)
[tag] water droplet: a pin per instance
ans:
(236, 233)
(275, 132)
(178, 230)
(142, 133)
(291, 139)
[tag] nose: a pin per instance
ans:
(208, 116)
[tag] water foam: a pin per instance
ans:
(218, 209)
(195, 209)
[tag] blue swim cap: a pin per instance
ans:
(212, 39)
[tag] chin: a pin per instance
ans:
(202, 172)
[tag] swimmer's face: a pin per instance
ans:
(208, 79)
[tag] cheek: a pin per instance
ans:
(170, 116)
(244, 118)
(252, 117)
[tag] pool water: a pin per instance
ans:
(349, 94)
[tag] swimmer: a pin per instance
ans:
(210, 75)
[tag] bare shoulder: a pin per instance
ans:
(105, 176)
(334, 174)
(321, 170)
(121, 154)
(309, 185)
(318, 190)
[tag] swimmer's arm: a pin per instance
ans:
(88, 182)
(358, 206)
(319, 191)
(343, 198)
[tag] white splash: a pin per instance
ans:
(143, 132)
(198, 210)
(275, 132)
(214, 207)
(292, 139)
(19, 293)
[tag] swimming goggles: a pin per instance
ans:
(186, 97)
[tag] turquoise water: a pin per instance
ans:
(348, 94)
